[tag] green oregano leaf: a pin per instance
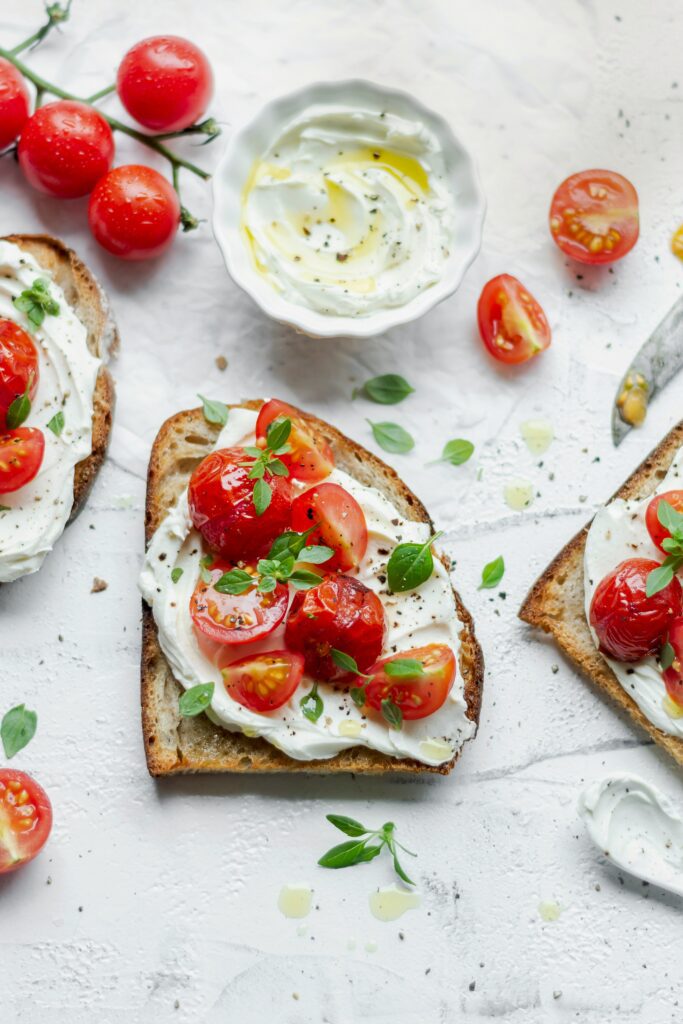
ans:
(410, 565)
(17, 728)
(234, 582)
(262, 496)
(36, 302)
(176, 574)
(19, 410)
(387, 389)
(667, 656)
(312, 705)
(492, 573)
(56, 424)
(195, 700)
(392, 713)
(392, 437)
(457, 451)
(214, 411)
(404, 668)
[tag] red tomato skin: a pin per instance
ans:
(14, 103)
(506, 292)
(266, 611)
(134, 212)
(432, 689)
(243, 691)
(629, 625)
(165, 83)
(310, 459)
(18, 366)
(673, 676)
(64, 149)
(654, 527)
(33, 840)
(21, 452)
(221, 504)
(574, 194)
(342, 524)
(340, 612)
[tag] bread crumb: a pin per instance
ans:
(221, 363)
(98, 585)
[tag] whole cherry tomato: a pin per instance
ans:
(64, 148)
(512, 324)
(310, 457)
(19, 371)
(165, 83)
(134, 212)
(341, 524)
(25, 819)
(594, 216)
(14, 103)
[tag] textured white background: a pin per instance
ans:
(157, 902)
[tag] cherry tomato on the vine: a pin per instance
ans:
(512, 324)
(64, 149)
(594, 216)
(165, 83)
(14, 103)
(134, 212)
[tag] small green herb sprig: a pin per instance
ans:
(36, 302)
(364, 846)
(17, 729)
(672, 521)
(265, 462)
(281, 566)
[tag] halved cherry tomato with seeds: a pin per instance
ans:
(236, 618)
(25, 819)
(21, 455)
(511, 322)
(18, 366)
(310, 458)
(341, 520)
(673, 676)
(594, 216)
(658, 532)
(419, 695)
(264, 682)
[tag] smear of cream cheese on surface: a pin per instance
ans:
(349, 211)
(37, 513)
(637, 827)
(423, 616)
(619, 532)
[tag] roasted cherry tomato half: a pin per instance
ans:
(65, 148)
(236, 618)
(310, 458)
(341, 520)
(340, 613)
(25, 819)
(673, 675)
(21, 455)
(264, 682)
(165, 83)
(511, 323)
(221, 500)
(14, 103)
(629, 625)
(654, 527)
(134, 212)
(18, 366)
(417, 695)
(594, 216)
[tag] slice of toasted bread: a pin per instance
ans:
(174, 744)
(89, 302)
(555, 603)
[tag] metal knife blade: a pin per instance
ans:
(659, 359)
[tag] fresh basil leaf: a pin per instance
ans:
(301, 579)
(349, 826)
(312, 704)
(492, 573)
(277, 467)
(256, 453)
(358, 696)
(290, 542)
(278, 432)
(19, 410)
(660, 578)
(667, 656)
(267, 584)
(195, 700)
(36, 301)
(392, 713)
(235, 582)
(410, 565)
(404, 668)
(457, 451)
(214, 411)
(344, 661)
(176, 574)
(262, 496)
(18, 728)
(387, 389)
(257, 471)
(316, 554)
(672, 545)
(56, 424)
(392, 437)
(345, 854)
(204, 565)
(670, 518)
(397, 867)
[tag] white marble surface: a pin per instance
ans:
(158, 902)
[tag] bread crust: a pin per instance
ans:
(176, 745)
(90, 303)
(556, 600)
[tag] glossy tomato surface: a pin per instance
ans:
(18, 366)
(594, 216)
(222, 508)
(165, 83)
(341, 613)
(629, 625)
(134, 212)
(264, 682)
(25, 819)
(673, 676)
(419, 695)
(21, 456)
(657, 532)
(310, 458)
(14, 103)
(512, 324)
(236, 618)
(65, 148)
(341, 520)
